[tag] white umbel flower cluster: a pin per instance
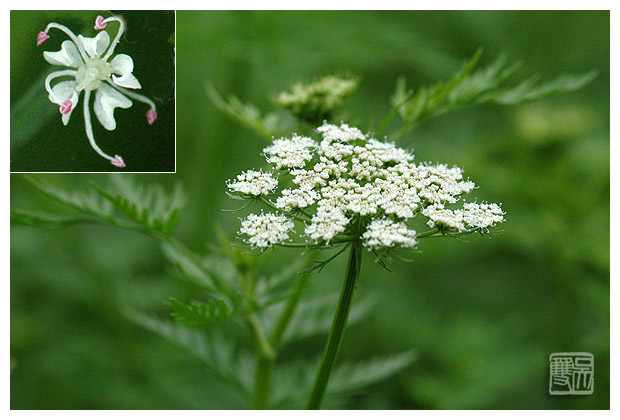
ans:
(290, 153)
(351, 187)
(443, 218)
(473, 216)
(482, 215)
(265, 230)
(254, 183)
(387, 233)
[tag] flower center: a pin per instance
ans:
(90, 74)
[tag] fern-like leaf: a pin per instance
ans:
(85, 202)
(528, 91)
(148, 205)
(429, 99)
(469, 87)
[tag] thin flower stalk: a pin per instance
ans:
(337, 329)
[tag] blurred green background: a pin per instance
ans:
(483, 316)
(39, 140)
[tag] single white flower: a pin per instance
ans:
(92, 68)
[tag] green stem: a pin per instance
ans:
(293, 301)
(265, 362)
(265, 359)
(338, 324)
(262, 382)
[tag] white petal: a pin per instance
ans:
(106, 100)
(122, 64)
(67, 56)
(63, 91)
(95, 46)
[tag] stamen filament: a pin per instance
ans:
(117, 38)
(71, 35)
(89, 128)
(133, 95)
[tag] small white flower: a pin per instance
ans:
(265, 230)
(386, 233)
(254, 183)
(92, 69)
(483, 215)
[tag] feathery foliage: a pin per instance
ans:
(149, 206)
(472, 86)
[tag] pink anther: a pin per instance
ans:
(118, 161)
(66, 106)
(100, 23)
(42, 37)
(151, 116)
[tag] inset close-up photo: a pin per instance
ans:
(92, 91)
